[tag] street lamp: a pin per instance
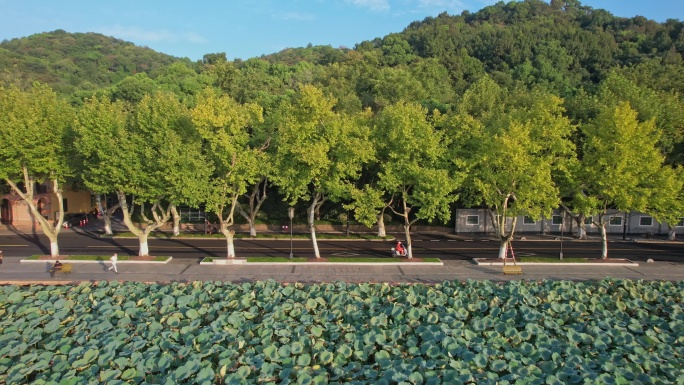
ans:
(290, 213)
(561, 245)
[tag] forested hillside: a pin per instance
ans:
(71, 62)
(562, 47)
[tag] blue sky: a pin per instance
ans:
(251, 28)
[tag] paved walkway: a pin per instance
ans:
(186, 270)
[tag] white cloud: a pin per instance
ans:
(294, 16)
(444, 5)
(373, 5)
(141, 35)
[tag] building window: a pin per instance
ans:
(556, 220)
(472, 220)
(66, 206)
(681, 223)
(588, 220)
(528, 220)
(615, 221)
(646, 221)
(192, 214)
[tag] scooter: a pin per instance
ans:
(395, 253)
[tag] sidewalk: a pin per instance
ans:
(186, 270)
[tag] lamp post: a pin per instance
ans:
(561, 245)
(290, 213)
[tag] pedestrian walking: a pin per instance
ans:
(114, 258)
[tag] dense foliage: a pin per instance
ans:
(547, 332)
(71, 62)
(520, 108)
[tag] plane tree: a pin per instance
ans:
(667, 202)
(319, 152)
(170, 168)
(150, 156)
(238, 161)
(513, 144)
(415, 178)
(621, 167)
(99, 133)
(414, 167)
(34, 149)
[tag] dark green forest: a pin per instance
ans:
(562, 46)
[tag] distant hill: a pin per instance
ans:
(71, 62)
(559, 45)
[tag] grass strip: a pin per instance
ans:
(169, 235)
(378, 260)
(275, 259)
(552, 259)
(98, 258)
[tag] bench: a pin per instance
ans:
(512, 269)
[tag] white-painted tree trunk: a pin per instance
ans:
(381, 225)
(252, 229)
(106, 214)
(672, 234)
(107, 223)
(176, 220)
(230, 242)
(503, 247)
(144, 247)
(54, 246)
(499, 222)
(312, 227)
(409, 246)
(581, 231)
(604, 242)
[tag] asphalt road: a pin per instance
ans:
(446, 247)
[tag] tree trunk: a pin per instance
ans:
(230, 244)
(672, 234)
(107, 223)
(381, 224)
(499, 223)
(54, 245)
(409, 246)
(50, 230)
(604, 242)
(581, 230)
(312, 228)
(256, 199)
(144, 247)
(106, 214)
(151, 226)
(503, 247)
(176, 220)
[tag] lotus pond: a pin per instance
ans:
(546, 332)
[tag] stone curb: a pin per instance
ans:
(616, 264)
(245, 263)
